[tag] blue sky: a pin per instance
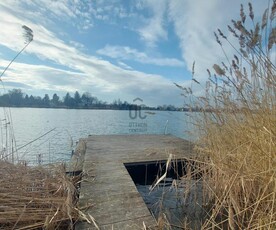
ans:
(114, 49)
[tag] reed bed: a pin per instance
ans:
(36, 197)
(242, 173)
(237, 127)
(238, 133)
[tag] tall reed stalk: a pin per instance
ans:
(237, 127)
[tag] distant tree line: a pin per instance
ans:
(17, 98)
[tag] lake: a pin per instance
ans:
(70, 125)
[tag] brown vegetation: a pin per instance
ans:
(238, 133)
(36, 198)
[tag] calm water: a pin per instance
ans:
(70, 125)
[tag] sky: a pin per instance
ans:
(114, 48)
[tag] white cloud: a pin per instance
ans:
(87, 73)
(108, 83)
(154, 29)
(124, 65)
(195, 23)
(127, 53)
(77, 45)
(49, 11)
(41, 77)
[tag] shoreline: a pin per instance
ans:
(98, 108)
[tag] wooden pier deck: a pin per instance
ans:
(107, 186)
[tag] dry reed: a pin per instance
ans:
(237, 128)
(36, 198)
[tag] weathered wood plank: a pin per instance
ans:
(115, 201)
(124, 225)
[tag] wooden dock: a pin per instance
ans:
(108, 189)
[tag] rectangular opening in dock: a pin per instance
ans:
(146, 173)
(177, 198)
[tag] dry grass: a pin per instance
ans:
(36, 198)
(239, 134)
(242, 171)
(237, 128)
